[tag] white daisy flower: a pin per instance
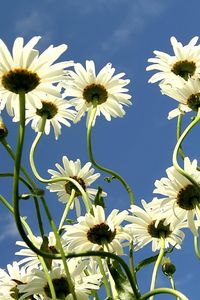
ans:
(83, 285)
(31, 258)
(57, 111)
(187, 93)
(105, 90)
(183, 197)
(148, 226)
(11, 279)
(25, 70)
(94, 232)
(185, 63)
(83, 175)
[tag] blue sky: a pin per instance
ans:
(139, 146)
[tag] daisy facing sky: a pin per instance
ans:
(26, 71)
(104, 90)
(57, 111)
(96, 232)
(83, 175)
(149, 225)
(182, 197)
(185, 63)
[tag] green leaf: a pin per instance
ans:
(98, 198)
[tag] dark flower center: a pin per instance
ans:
(61, 287)
(101, 234)
(48, 108)
(160, 230)
(188, 197)
(95, 94)
(20, 80)
(69, 186)
(184, 68)
(194, 101)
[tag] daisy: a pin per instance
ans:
(26, 71)
(185, 63)
(30, 258)
(148, 226)
(94, 232)
(187, 93)
(11, 279)
(57, 110)
(83, 285)
(83, 175)
(104, 90)
(183, 197)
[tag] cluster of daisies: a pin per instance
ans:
(63, 92)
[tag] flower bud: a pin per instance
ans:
(168, 268)
(3, 129)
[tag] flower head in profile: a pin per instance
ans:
(26, 71)
(83, 285)
(11, 279)
(56, 110)
(185, 92)
(182, 196)
(83, 175)
(184, 63)
(96, 232)
(149, 226)
(104, 90)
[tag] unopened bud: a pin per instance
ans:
(168, 268)
(3, 129)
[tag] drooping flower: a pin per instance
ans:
(26, 71)
(185, 92)
(182, 196)
(104, 90)
(83, 175)
(96, 232)
(57, 110)
(83, 285)
(185, 63)
(149, 226)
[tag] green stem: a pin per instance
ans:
(39, 218)
(178, 134)
(164, 291)
(20, 178)
(11, 153)
(132, 267)
(48, 277)
(105, 279)
(157, 264)
(67, 207)
(109, 171)
(196, 246)
(177, 147)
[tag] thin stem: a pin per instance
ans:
(105, 279)
(177, 147)
(178, 134)
(109, 171)
(49, 279)
(132, 267)
(164, 291)
(20, 178)
(66, 210)
(11, 153)
(196, 246)
(157, 264)
(39, 218)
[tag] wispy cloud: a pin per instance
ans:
(139, 12)
(36, 23)
(9, 229)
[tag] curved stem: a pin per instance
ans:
(20, 178)
(105, 279)
(164, 291)
(196, 246)
(178, 134)
(89, 146)
(177, 147)
(11, 153)
(67, 207)
(157, 264)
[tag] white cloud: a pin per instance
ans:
(37, 23)
(9, 228)
(138, 14)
